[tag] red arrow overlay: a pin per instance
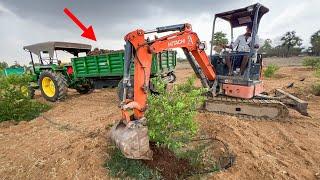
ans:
(87, 32)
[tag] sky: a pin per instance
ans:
(33, 21)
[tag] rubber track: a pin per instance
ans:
(283, 110)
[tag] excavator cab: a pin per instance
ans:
(244, 82)
(247, 16)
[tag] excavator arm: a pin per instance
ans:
(139, 50)
(130, 134)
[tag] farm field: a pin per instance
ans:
(70, 141)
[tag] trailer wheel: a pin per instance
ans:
(83, 89)
(172, 77)
(129, 93)
(53, 85)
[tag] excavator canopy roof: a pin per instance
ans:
(51, 46)
(243, 16)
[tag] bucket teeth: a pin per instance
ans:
(132, 139)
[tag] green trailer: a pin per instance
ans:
(107, 69)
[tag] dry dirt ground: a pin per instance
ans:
(70, 140)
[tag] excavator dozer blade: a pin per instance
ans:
(292, 101)
(132, 140)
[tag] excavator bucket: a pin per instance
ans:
(132, 139)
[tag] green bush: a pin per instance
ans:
(312, 62)
(317, 72)
(171, 114)
(270, 70)
(14, 103)
(316, 89)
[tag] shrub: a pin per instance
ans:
(14, 103)
(316, 89)
(312, 62)
(171, 114)
(317, 72)
(270, 70)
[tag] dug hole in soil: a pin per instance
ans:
(172, 167)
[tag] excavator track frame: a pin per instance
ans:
(254, 109)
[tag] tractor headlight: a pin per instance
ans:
(202, 45)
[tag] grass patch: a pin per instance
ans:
(200, 159)
(317, 72)
(21, 110)
(316, 89)
(121, 167)
(312, 62)
(270, 70)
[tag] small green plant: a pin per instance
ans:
(171, 114)
(316, 89)
(270, 70)
(317, 72)
(121, 167)
(14, 103)
(312, 62)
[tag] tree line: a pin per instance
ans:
(290, 45)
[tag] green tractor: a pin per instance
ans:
(50, 75)
(86, 72)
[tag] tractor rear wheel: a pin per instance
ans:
(53, 85)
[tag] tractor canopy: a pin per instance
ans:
(243, 16)
(51, 46)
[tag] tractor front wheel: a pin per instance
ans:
(53, 85)
(27, 91)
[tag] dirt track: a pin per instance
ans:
(69, 141)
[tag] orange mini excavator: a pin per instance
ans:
(235, 94)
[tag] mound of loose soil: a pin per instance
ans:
(170, 166)
(98, 51)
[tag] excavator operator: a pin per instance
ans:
(242, 45)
